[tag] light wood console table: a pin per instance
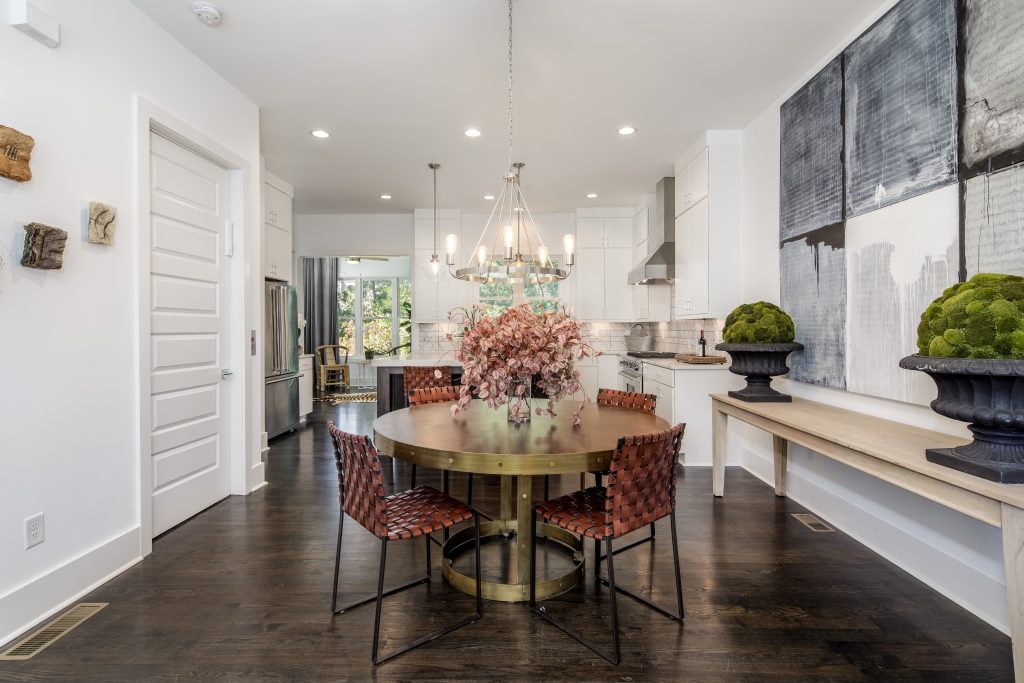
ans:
(892, 452)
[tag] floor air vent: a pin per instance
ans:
(812, 522)
(40, 640)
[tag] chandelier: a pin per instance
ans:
(510, 248)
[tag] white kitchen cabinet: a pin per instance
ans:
(618, 232)
(707, 283)
(682, 397)
(590, 283)
(618, 295)
(590, 232)
(692, 260)
(692, 181)
(277, 229)
(641, 223)
(278, 205)
(432, 299)
(607, 372)
(305, 385)
(641, 302)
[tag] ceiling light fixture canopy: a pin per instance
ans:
(510, 248)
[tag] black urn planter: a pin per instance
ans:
(989, 395)
(759, 363)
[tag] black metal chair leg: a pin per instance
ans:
(426, 544)
(615, 611)
(547, 486)
(469, 491)
(615, 656)
(652, 531)
(413, 477)
(444, 480)
(380, 595)
(337, 561)
(675, 561)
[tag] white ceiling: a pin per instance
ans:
(397, 82)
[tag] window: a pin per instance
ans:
(498, 296)
(374, 314)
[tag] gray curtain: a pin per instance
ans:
(320, 284)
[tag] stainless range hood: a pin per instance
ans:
(659, 266)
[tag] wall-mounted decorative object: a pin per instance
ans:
(994, 222)
(44, 247)
(901, 106)
(102, 223)
(813, 269)
(811, 194)
(858, 264)
(898, 260)
(15, 153)
(992, 122)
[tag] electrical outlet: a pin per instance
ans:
(35, 530)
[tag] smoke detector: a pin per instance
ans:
(208, 13)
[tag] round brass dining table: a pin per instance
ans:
(481, 440)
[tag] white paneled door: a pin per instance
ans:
(189, 283)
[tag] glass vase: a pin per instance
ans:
(519, 401)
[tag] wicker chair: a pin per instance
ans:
(333, 366)
(400, 516)
(641, 489)
(426, 378)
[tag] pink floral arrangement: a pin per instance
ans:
(501, 355)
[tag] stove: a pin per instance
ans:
(651, 354)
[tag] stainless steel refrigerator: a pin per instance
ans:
(281, 357)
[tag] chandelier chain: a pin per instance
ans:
(510, 85)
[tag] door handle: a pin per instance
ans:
(225, 373)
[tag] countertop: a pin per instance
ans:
(415, 359)
(672, 364)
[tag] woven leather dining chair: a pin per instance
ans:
(641, 489)
(427, 377)
(400, 516)
(631, 400)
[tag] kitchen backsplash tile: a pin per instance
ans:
(679, 336)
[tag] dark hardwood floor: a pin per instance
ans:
(242, 592)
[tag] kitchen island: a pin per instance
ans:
(391, 383)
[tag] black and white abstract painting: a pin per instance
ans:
(813, 270)
(993, 117)
(899, 259)
(901, 106)
(994, 222)
(811, 189)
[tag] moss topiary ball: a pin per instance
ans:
(980, 318)
(758, 323)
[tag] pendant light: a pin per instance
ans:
(510, 248)
(434, 265)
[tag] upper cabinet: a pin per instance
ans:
(692, 181)
(708, 186)
(432, 298)
(277, 228)
(607, 247)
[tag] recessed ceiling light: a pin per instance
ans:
(320, 133)
(488, 197)
(472, 133)
(592, 195)
(385, 196)
(627, 130)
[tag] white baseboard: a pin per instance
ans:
(979, 592)
(32, 603)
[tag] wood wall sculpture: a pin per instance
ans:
(102, 223)
(44, 247)
(15, 153)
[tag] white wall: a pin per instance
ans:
(956, 555)
(69, 439)
(351, 234)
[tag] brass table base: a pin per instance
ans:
(513, 592)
